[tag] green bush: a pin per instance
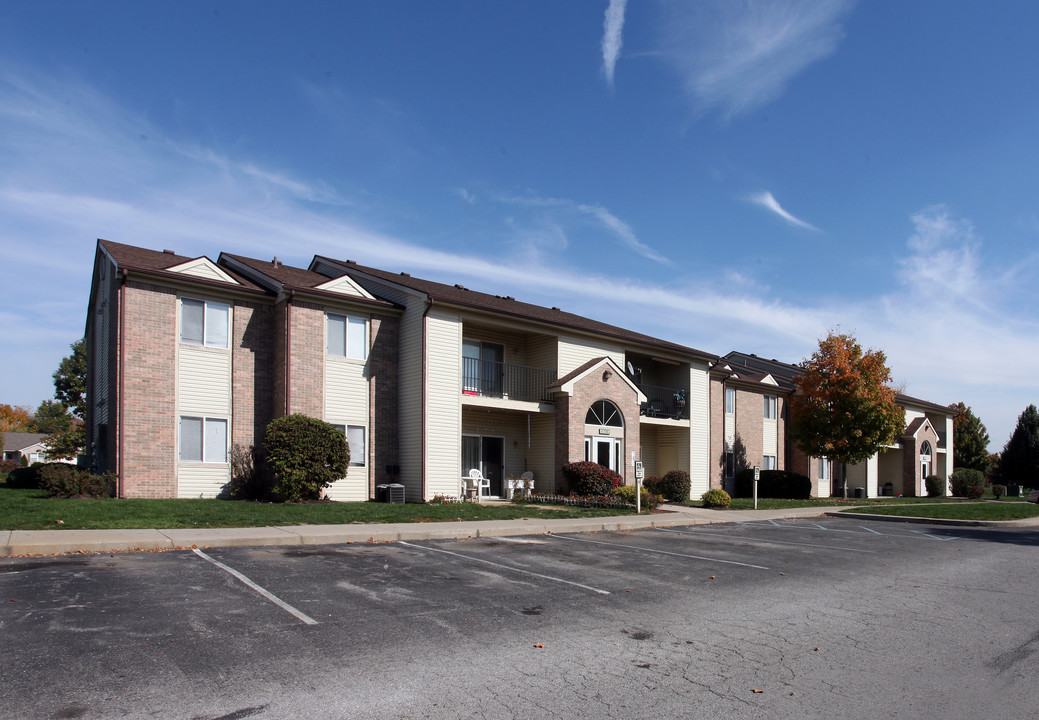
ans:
(999, 491)
(648, 499)
(652, 483)
(774, 484)
(968, 483)
(674, 486)
(7, 466)
(248, 481)
(716, 498)
(305, 455)
(935, 486)
(25, 477)
(61, 480)
(589, 478)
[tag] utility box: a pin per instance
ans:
(389, 493)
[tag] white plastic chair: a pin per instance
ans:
(479, 483)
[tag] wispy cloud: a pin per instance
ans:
(766, 200)
(603, 217)
(612, 39)
(737, 56)
(465, 195)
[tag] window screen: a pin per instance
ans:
(336, 335)
(191, 315)
(191, 439)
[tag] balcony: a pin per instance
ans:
(665, 402)
(485, 378)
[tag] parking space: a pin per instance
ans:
(208, 633)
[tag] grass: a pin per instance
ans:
(958, 510)
(30, 510)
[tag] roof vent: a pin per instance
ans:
(406, 274)
(509, 297)
(169, 252)
(461, 287)
(556, 309)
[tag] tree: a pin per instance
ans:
(969, 439)
(51, 417)
(843, 407)
(1019, 463)
(15, 418)
(70, 388)
(70, 380)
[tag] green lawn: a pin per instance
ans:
(958, 510)
(30, 510)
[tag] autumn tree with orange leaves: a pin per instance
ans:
(843, 407)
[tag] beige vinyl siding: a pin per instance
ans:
(346, 403)
(204, 270)
(912, 415)
(825, 487)
(864, 474)
(648, 451)
(949, 451)
(699, 429)
(508, 425)
(203, 390)
(770, 437)
(575, 352)
(541, 455)
(515, 344)
(444, 402)
(343, 286)
(542, 352)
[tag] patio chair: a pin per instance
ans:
(478, 483)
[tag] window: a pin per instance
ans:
(824, 469)
(768, 462)
(204, 322)
(355, 440)
(203, 439)
(730, 401)
(603, 412)
(770, 407)
(483, 367)
(346, 336)
(730, 461)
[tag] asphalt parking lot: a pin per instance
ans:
(780, 619)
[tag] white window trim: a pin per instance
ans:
(346, 335)
(205, 307)
(345, 428)
(824, 469)
(771, 407)
(730, 408)
(205, 419)
(765, 465)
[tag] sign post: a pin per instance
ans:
(757, 476)
(640, 473)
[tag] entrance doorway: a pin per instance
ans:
(485, 453)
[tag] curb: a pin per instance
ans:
(1023, 522)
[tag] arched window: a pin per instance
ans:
(603, 412)
(925, 449)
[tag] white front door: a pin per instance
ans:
(605, 451)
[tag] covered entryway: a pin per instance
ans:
(604, 435)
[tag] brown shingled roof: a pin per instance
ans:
(155, 262)
(464, 297)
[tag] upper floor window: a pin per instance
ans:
(770, 407)
(204, 322)
(346, 336)
(730, 401)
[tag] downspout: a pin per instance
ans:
(425, 385)
(288, 352)
(122, 378)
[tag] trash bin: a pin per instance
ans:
(860, 493)
(382, 493)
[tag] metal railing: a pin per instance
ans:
(665, 402)
(486, 378)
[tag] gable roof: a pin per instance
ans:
(276, 276)
(21, 440)
(506, 305)
(566, 382)
(164, 264)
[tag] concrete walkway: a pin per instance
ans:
(15, 543)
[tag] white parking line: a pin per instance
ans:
(505, 567)
(266, 593)
(659, 552)
(870, 530)
(763, 540)
(933, 537)
(918, 533)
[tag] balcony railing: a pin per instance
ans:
(485, 378)
(665, 402)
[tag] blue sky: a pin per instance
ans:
(724, 175)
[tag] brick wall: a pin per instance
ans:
(383, 440)
(749, 426)
(279, 315)
(149, 400)
(252, 368)
(307, 367)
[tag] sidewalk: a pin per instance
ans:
(14, 543)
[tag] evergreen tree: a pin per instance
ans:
(1019, 463)
(969, 439)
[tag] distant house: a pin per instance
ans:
(30, 446)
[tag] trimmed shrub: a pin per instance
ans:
(61, 480)
(774, 484)
(935, 486)
(716, 498)
(26, 478)
(248, 481)
(999, 491)
(652, 483)
(589, 478)
(674, 486)
(968, 483)
(648, 499)
(7, 466)
(305, 455)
